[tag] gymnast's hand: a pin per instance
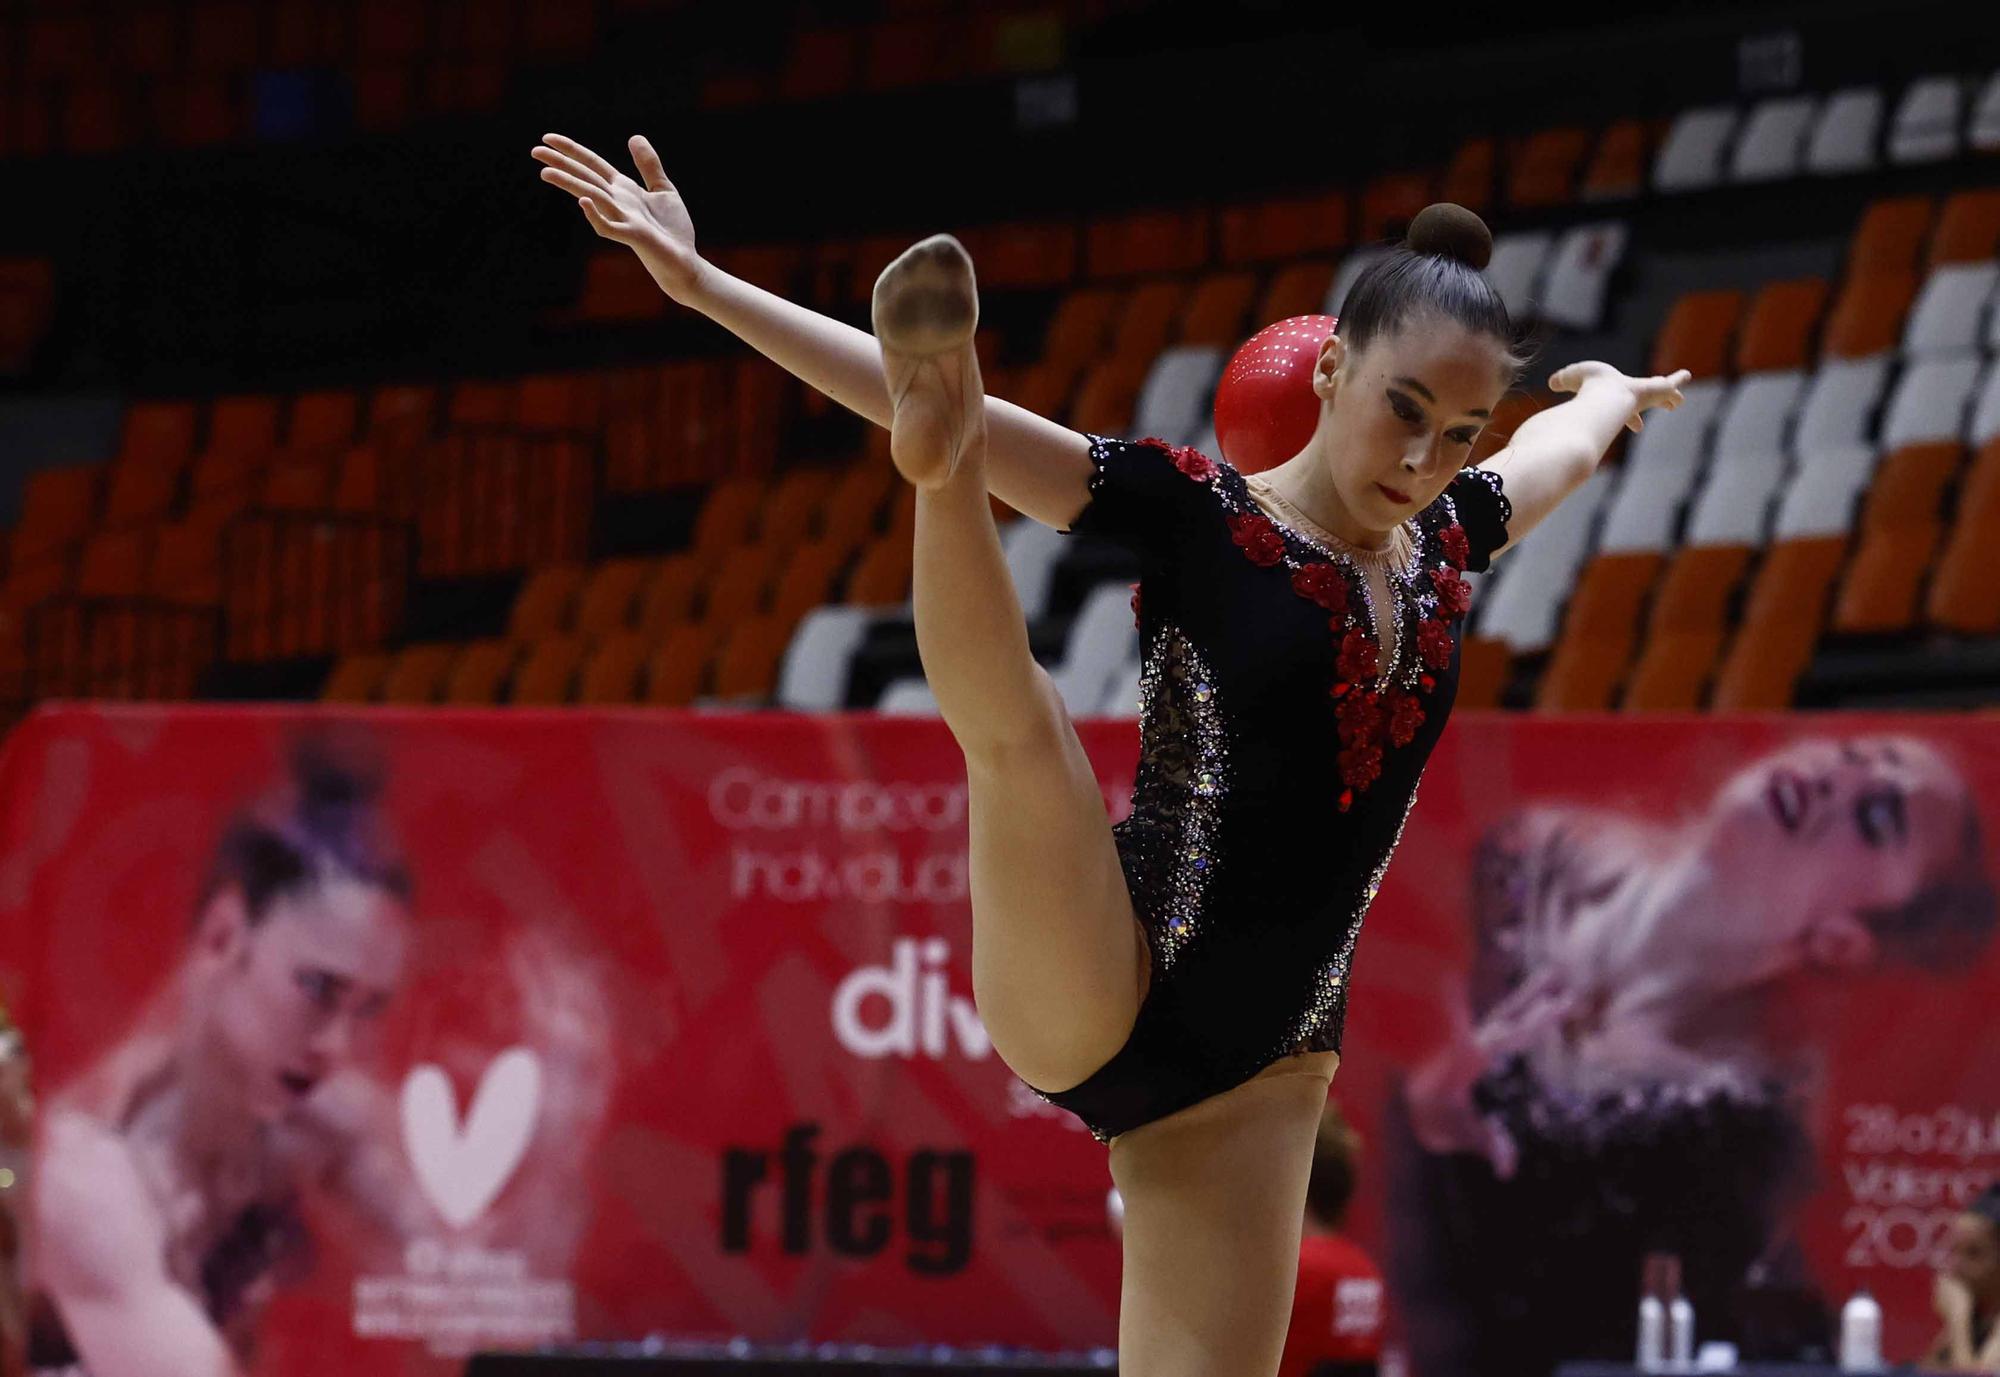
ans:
(1645, 393)
(649, 219)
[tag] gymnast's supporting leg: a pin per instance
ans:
(1058, 960)
(1214, 1206)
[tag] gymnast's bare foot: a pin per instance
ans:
(926, 308)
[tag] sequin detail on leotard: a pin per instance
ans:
(1177, 798)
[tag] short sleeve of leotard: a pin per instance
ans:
(1145, 497)
(1480, 500)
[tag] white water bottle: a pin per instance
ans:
(1680, 1334)
(1652, 1355)
(1861, 1334)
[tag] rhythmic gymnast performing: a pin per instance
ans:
(1180, 982)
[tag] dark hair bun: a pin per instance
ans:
(1450, 231)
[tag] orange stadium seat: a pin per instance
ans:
(1286, 228)
(1214, 315)
(617, 287)
(402, 417)
(242, 425)
(113, 564)
(614, 670)
(1868, 317)
(806, 580)
(1484, 665)
(1297, 290)
(356, 678)
(1686, 630)
(480, 672)
(746, 662)
(1890, 236)
(476, 403)
(1698, 332)
(1617, 166)
(417, 674)
(857, 497)
(545, 603)
(219, 471)
(677, 670)
(301, 483)
(1147, 321)
(1110, 391)
(881, 577)
(1599, 632)
(792, 507)
(1968, 229)
(323, 420)
(918, 52)
(1080, 329)
(738, 583)
(1025, 256)
(58, 508)
(1139, 245)
(669, 595)
(548, 671)
(729, 515)
(1964, 595)
(1781, 623)
(1543, 169)
(1390, 202)
(609, 598)
(560, 401)
(390, 29)
(558, 28)
(1470, 176)
(819, 63)
(1778, 331)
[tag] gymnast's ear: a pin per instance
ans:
(222, 930)
(1326, 369)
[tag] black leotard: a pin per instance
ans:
(1260, 828)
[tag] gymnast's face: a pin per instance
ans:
(1845, 828)
(289, 1000)
(1398, 417)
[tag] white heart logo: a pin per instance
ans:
(461, 1170)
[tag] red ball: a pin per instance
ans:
(1265, 408)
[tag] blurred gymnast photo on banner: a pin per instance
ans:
(915, 687)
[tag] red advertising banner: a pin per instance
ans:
(365, 1040)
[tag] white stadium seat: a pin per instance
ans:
(1984, 133)
(814, 675)
(1519, 261)
(1691, 156)
(1523, 607)
(1121, 692)
(1926, 127)
(1734, 504)
(1351, 268)
(1659, 471)
(1174, 401)
(1100, 640)
(1930, 402)
(1986, 408)
(1844, 139)
(911, 697)
(1950, 309)
(1032, 551)
(1580, 273)
(1773, 143)
(1840, 402)
(1823, 493)
(1756, 413)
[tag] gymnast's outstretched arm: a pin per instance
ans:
(1554, 451)
(1033, 464)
